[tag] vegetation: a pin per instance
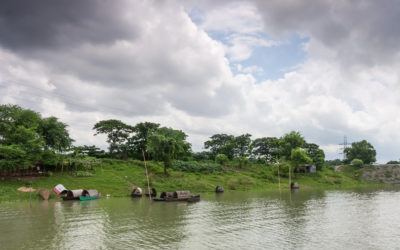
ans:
(362, 150)
(28, 140)
(357, 163)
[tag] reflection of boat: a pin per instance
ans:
(178, 196)
(72, 194)
(90, 194)
(137, 192)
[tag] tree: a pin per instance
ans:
(362, 150)
(139, 140)
(316, 154)
(166, 144)
(291, 141)
(299, 156)
(55, 134)
(266, 147)
(221, 144)
(241, 145)
(117, 133)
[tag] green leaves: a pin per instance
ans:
(362, 150)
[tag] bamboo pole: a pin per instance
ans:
(147, 175)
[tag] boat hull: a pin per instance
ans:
(84, 198)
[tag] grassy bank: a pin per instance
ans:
(116, 177)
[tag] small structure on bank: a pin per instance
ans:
(219, 189)
(306, 169)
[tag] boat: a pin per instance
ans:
(136, 192)
(151, 192)
(219, 189)
(90, 194)
(72, 194)
(178, 196)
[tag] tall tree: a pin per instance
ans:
(316, 154)
(362, 150)
(117, 133)
(139, 140)
(241, 145)
(221, 144)
(166, 144)
(291, 141)
(55, 134)
(266, 147)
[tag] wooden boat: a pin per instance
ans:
(151, 191)
(219, 189)
(72, 194)
(136, 192)
(90, 194)
(178, 196)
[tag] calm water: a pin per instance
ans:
(356, 219)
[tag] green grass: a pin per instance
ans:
(115, 178)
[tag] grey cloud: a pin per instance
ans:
(45, 24)
(359, 32)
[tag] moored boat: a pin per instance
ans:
(90, 194)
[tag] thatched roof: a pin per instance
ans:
(90, 193)
(182, 194)
(60, 189)
(137, 190)
(167, 194)
(74, 193)
(151, 191)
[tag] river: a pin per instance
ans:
(304, 219)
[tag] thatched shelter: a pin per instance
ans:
(151, 191)
(60, 189)
(73, 194)
(180, 195)
(165, 195)
(90, 193)
(136, 192)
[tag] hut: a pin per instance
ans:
(72, 194)
(151, 192)
(136, 192)
(219, 189)
(306, 169)
(90, 193)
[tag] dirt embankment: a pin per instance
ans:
(387, 173)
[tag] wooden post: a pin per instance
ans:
(290, 178)
(147, 175)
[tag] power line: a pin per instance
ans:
(343, 146)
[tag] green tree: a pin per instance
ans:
(139, 140)
(266, 147)
(55, 134)
(291, 141)
(241, 145)
(166, 144)
(316, 154)
(362, 150)
(118, 134)
(221, 144)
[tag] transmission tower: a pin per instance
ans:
(343, 147)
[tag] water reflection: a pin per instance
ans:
(305, 219)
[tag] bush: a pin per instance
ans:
(83, 174)
(221, 159)
(241, 162)
(357, 163)
(193, 166)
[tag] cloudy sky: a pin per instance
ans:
(327, 69)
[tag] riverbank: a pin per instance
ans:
(115, 178)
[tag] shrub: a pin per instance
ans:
(221, 159)
(357, 163)
(192, 166)
(83, 174)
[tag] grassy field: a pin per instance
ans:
(115, 178)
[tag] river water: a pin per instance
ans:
(305, 219)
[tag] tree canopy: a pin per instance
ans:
(362, 150)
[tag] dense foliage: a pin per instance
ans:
(362, 150)
(27, 139)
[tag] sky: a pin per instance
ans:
(324, 68)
